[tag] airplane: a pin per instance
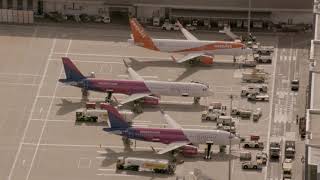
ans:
(193, 49)
(176, 137)
(138, 90)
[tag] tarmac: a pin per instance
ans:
(40, 140)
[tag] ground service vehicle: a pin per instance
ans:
(251, 165)
(287, 168)
(302, 127)
(243, 113)
(259, 97)
(156, 21)
(253, 144)
(256, 115)
(190, 27)
(262, 157)
(144, 164)
(263, 58)
(253, 89)
(256, 76)
(170, 27)
(290, 145)
(274, 148)
(245, 155)
(295, 85)
(91, 114)
(225, 120)
(214, 111)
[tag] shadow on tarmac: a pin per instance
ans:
(189, 69)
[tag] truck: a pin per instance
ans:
(302, 127)
(156, 21)
(290, 145)
(295, 85)
(253, 89)
(214, 111)
(263, 58)
(256, 115)
(274, 147)
(262, 50)
(243, 113)
(258, 97)
(256, 76)
(287, 168)
(143, 164)
(251, 165)
(93, 115)
(253, 144)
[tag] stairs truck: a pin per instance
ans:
(162, 166)
(274, 147)
(290, 145)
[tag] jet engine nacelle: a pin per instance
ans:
(150, 100)
(189, 150)
(208, 60)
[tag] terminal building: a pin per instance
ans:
(230, 12)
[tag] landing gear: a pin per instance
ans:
(137, 107)
(126, 143)
(85, 94)
(196, 100)
(108, 98)
(194, 61)
(208, 150)
(234, 59)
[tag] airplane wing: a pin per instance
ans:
(173, 146)
(134, 97)
(187, 57)
(172, 123)
(186, 33)
(133, 74)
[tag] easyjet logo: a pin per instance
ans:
(223, 46)
(138, 29)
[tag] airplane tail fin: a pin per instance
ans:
(140, 37)
(115, 118)
(71, 71)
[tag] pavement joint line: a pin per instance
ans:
(270, 108)
(101, 169)
(31, 112)
(18, 84)
(115, 55)
(82, 61)
(47, 116)
(125, 175)
(19, 74)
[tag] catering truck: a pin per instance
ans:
(143, 164)
(290, 145)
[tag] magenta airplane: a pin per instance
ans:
(175, 136)
(137, 89)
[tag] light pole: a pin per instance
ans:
(249, 16)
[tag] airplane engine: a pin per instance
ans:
(208, 60)
(189, 150)
(150, 100)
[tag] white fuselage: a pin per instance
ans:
(210, 48)
(178, 88)
(219, 137)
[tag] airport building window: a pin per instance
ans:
(10, 4)
(30, 4)
(20, 4)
